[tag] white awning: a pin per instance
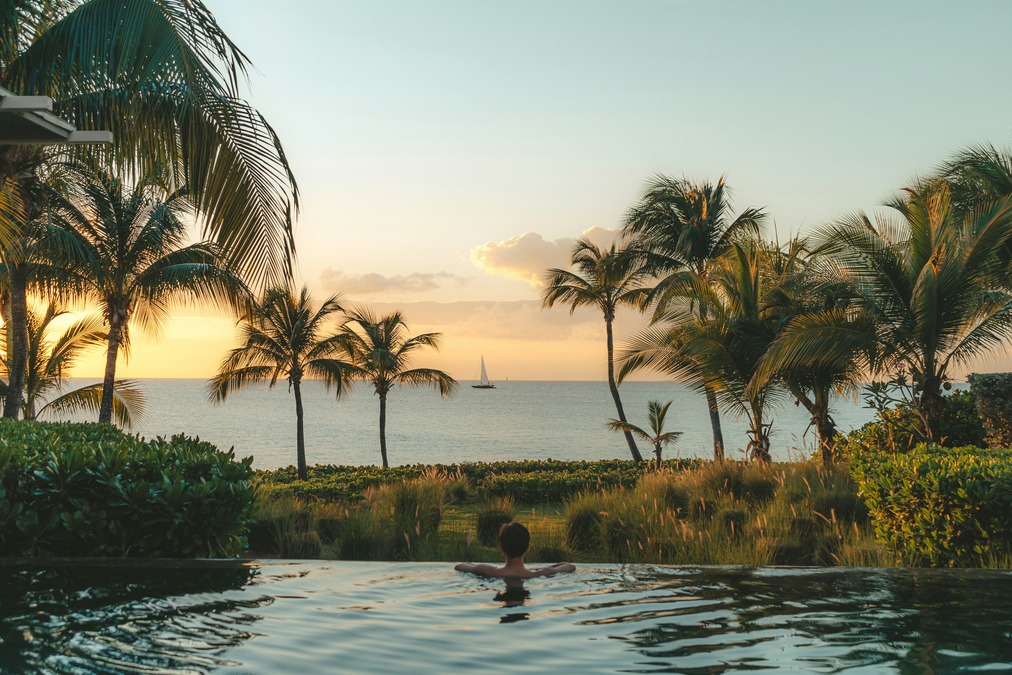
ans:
(29, 120)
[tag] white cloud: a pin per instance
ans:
(510, 320)
(416, 282)
(529, 256)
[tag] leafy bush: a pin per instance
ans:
(940, 506)
(896, 429)
(89, 489)
(993, 392)
(491, 516)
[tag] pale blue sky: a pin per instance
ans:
(422, 130)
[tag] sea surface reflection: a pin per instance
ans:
(305, 617)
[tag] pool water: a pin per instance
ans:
(305, 617)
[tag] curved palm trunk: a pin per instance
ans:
(109, 379)
(825, 426)
(17, 341)
(633, 450)
(300, 432)
(718, 434)
(383, 429)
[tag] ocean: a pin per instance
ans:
(516, 420)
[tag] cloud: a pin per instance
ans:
(522, 320)
(529, 256)
(416, 282)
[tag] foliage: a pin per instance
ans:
(899, 428)
(656, 436)
(725, 513)
(680, 227)
(285, 336)
(606, 279)
(164, 78)
(90, 490)
(50, 360)
(721, 351)
(492, 515)
(334, 483)
(931, 292)
(125, 247)
(378, 350)
(940, 506)
(993, 394)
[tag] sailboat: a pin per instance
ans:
(484, 383)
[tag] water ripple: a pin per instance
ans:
(379, 617)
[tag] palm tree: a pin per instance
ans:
(285, 336)
(657, 437)
(164, 78)
(50, 360)
(720, 350)
(930, 287)
(684, 226)
(380, 350)
(978, 174)
(606, 279)
(811, 284)
(124, 248)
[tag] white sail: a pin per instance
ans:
(484, 382)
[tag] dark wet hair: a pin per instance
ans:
(514, 539)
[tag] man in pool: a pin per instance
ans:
(514, 540)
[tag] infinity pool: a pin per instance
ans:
(304, 617)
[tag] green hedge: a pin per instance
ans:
(958, 424)
(993, 392)
(538, 480)
(90, 490)
(555, 486)
(940, 506)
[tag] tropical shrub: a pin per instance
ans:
(993, 393)
(940, 506)
(896, 429)
(90, 490)
(493, 514)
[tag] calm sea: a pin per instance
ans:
(517, 420)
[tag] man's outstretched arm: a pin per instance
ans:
(480, 568)
(556, 568)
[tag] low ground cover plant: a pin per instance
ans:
(535, 481)
(91, 490)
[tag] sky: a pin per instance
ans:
(448, 153)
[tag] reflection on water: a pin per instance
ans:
(380, 617)
(513, 595)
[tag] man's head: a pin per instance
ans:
(514, 539)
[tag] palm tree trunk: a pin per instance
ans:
(824, 425)
(633, 450)
(109, 380)
(17, 341)
(300, 432)
(718, 435)
(383, 429)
